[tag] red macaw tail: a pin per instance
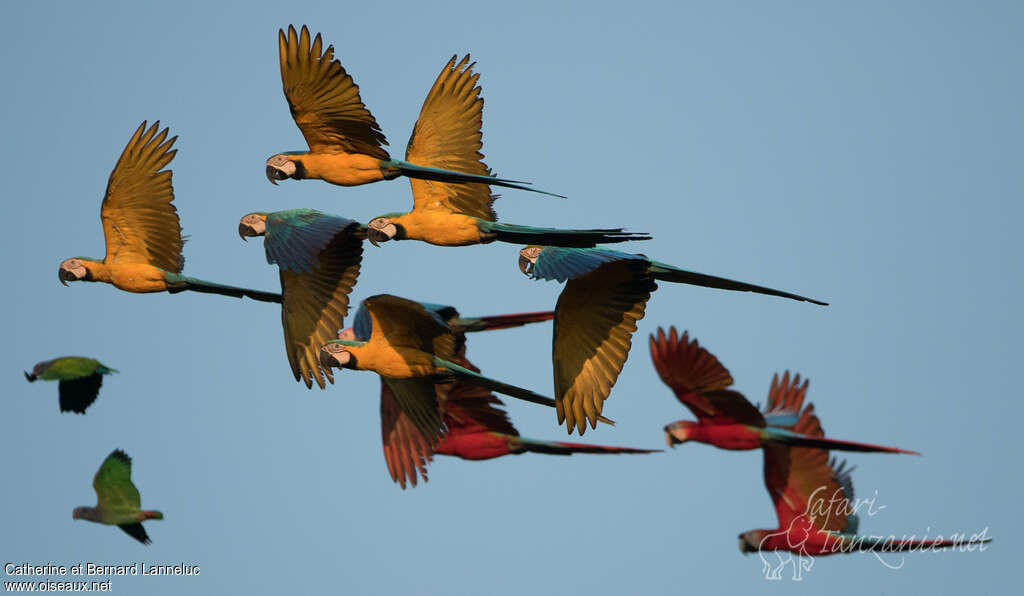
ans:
(894, 545)
(799, 440)
(522, 444)
(467, 324)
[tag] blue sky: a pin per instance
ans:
(867, 154)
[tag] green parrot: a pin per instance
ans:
(80, 379)
(117, 499)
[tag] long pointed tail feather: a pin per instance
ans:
(665, 272)
(427, 173)
(180, 283)
(503, 388)
(561, 448)
(517, 234)
(799, 440)
(490, 323)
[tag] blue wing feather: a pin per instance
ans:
(295, 237)
(783, 419)
(563, 263)
(362, 325)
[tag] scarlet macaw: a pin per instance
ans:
(319, 256)
(725, 418)
(118, 501)
(476, 427)
(141, 227)
(80, 379)
(814, 503)
(447, 213)
(412, 349)
(605, 295)
(345, 141)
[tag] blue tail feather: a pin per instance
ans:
(441, 175)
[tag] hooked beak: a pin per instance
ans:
(525, 265)
(270, 175)
(670, 440)
(242, 229)
(334, 356)
(66, 276)
(31, 378)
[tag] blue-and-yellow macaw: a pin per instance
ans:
(447, 213)
(346, 145)
(141, 227)
(605, 295)
(318, 256)
(412, 348)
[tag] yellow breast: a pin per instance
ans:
(397, 363)
(440, 227)
(137, 277)
(343, 169)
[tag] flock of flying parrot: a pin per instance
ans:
(433, 400)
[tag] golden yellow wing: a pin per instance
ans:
(315, 304)
(448, 136)
(140, 222)
(324, 100)
(595, 319)
(400, 322)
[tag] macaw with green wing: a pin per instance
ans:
(117, 500)
(346, 145)
(319, 257)
(412, 349)
(448, 213)
(605, 295)
(141, 227)
(80, 379)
